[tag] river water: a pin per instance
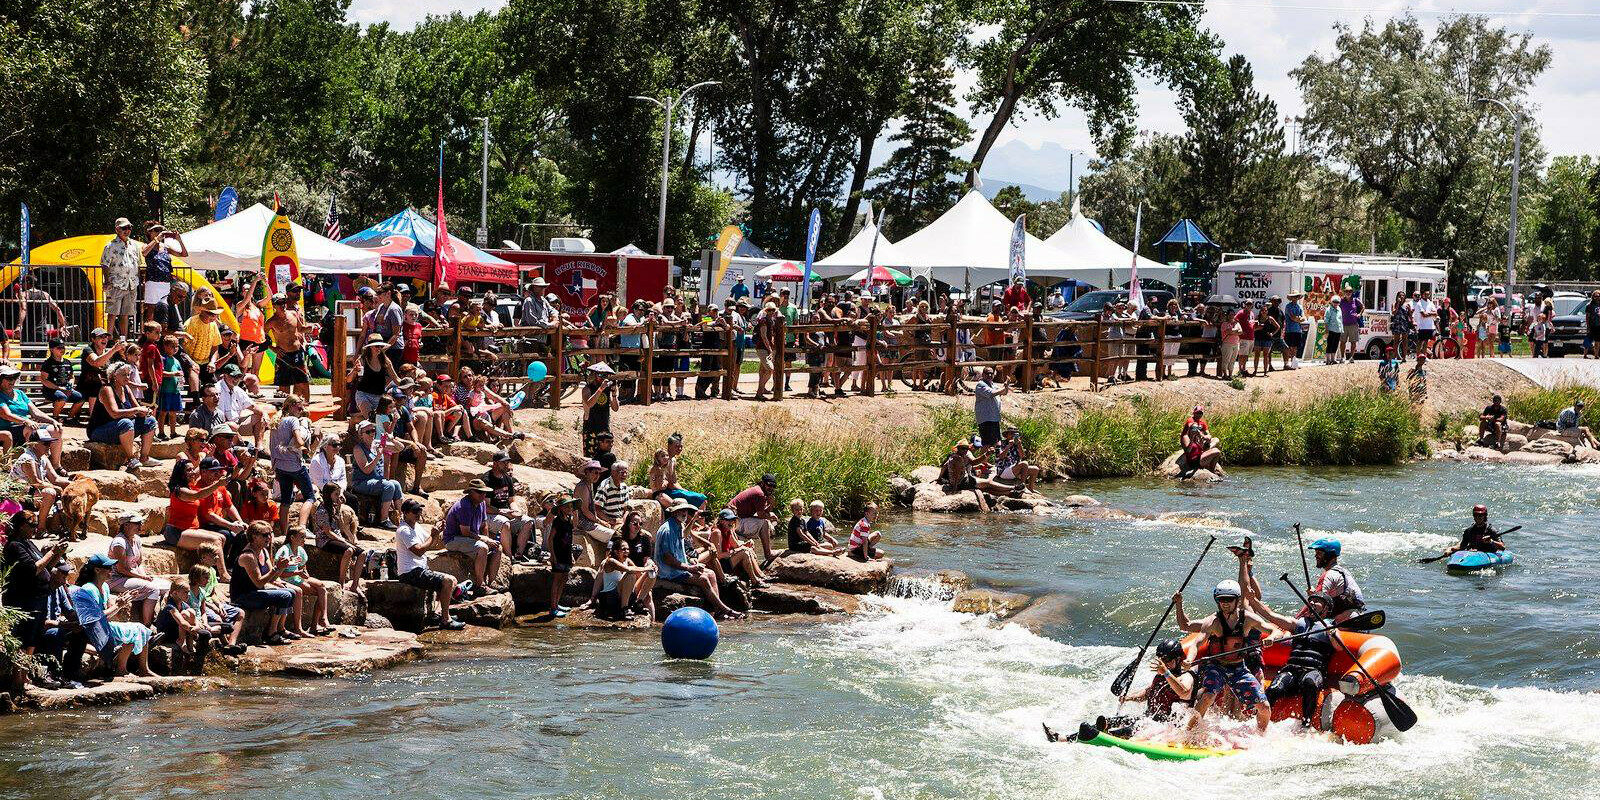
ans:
(916, 701)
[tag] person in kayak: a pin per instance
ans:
(1172, 687)
(1227, 630)
(1481, 537)
(1335, 581)
(1493, 424)
(1305, 671)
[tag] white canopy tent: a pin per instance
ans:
(1084, 240)
(234, 244)
(971, 244)
(858, 251)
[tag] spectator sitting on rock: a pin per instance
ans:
(34, 469)
(863, 539)
(367, 478)
(674, 564)
(292, 554)
(513, 528)
(589, 523)
(208, 414)
(813, 534)
(257, 583)
(119, 418)
(336, 527)
(179, 624)
(955, 474)
(621, 583)
(188, 489)
(19, 417)
(225, 621)
(1011, 461)
(328, 466)
(447, 414)
(604, 449)
(736, 557)
(118, 643)
(59, 636)
(641, 551)
(129, 578)
(217, 510)
(612, 495)
(757, 512)
(411, 562)
(1569, 424)
(464, 533)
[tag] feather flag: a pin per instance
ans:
(1135, 291)
(1019, 249)
(813, 232)
(444, 261)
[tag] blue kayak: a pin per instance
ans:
(1474, 560)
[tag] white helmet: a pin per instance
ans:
(1228, 589)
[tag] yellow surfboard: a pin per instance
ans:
(279, 260)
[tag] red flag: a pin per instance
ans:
(444, 261)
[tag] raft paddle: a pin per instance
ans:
(1303, 565)
(1119, 687)
(1399, 713)
(1370, 621)
(1447, 555)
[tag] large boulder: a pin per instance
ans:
(1533, 458)
(1550, 446)
(1031, 502)
(1516, 441)
(925, 475)
(1078, 500)
(536, 451)
(535, 479)
(901, 491)
(481, 452)
(111, 456)
(988, 601)
(116, 484)
(325, 657)
(530, 587)
(106, 513)
(451, 473)
(491, 611)
(841, 574)
(792, 598)
(1585, 455)
(1476, 453)
(346, 607)
(932, 498)
(401, 605)
(1049, 611)
(460, 565)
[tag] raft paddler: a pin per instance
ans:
(1172, 686)
(1335, 581)
(1227, 631)
(1481, 537)
(1305, 671)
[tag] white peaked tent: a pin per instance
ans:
(855, 255)
(234, 244)
(1085, 241)
(971, 244)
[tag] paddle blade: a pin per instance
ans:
(1400, 714)
(1370, 621)
(1119, 687)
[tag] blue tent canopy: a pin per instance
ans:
(1186, 233)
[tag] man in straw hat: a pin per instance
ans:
(675, 564)
(464, 532)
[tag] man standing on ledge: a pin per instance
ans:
(287, 330)
(756, 508)
(987, 406)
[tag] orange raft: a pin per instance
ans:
(1359, 716)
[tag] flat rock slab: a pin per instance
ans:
(840, 574)
(583, 618)
(466, 637)
(988, 601)
(793, 598)
(1047, 611)
(122, 690)
(332, 656)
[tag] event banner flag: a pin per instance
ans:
(152, 195)
(227, 204)
(1019, 249)
(444, 258)
(279, 260)
(813, 232)
(872, 252)
(27, 259)
(1135, 291)
(728, 242)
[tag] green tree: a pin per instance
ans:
(1398, 106)
(1111, 192)
(923, 176)
(1565, 222)
(1088, 54)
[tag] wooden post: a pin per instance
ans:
(730, 363)
(779, 356)
(869, 372)
(455, 351)
(1027, 353)
(336, 359)
(1161, 350)
(557, 363)
(951, 356)
(647, 360)
(1094, 372)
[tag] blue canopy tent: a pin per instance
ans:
(1189, 248)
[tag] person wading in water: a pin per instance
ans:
(1227, 631)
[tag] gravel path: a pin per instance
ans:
(1552, 372)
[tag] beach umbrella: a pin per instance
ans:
(784, 272)
(882, 275)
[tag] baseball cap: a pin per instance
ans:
(727, 513)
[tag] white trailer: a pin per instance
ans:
(1320, 275)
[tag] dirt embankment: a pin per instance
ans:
(712, 425)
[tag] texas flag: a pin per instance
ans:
(583, 288)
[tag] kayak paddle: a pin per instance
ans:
(1119, 687)
(1303, 565)
(1399, 712)
(1370, 621)
(1447, 555)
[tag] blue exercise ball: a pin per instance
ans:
(537, 370)
(689, 633)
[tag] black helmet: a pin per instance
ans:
(1169, 649)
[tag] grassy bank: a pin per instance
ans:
(846, 469)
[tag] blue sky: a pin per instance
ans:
(1276, 35)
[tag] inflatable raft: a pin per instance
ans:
(1161, 751)
(1474, 560)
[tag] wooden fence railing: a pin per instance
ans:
(865, 353)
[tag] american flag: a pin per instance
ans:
(331, 230)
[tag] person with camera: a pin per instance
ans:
(599, 400)
(29, 572)
(157, 267)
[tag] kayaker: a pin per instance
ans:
(1481, 537)
(1225, 631)
(1335, 581)
(1493, 424)
(1305, 671)
(1172, 686)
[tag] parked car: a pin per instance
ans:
(1567, 337)
(1088, 306)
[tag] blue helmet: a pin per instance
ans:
(1326, 545)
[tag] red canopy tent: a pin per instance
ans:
(405, 245)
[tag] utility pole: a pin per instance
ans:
(1516, 175)
(666, 103)
(483, 200)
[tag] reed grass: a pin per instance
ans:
(1533, 405)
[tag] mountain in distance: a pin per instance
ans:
(1035, 169)
(1033, 194)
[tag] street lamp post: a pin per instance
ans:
(1516, 175)
(666, 104)
(483, 200)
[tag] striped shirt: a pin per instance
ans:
(860, 533)
(612, 498)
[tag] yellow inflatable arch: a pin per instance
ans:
(84, 252)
